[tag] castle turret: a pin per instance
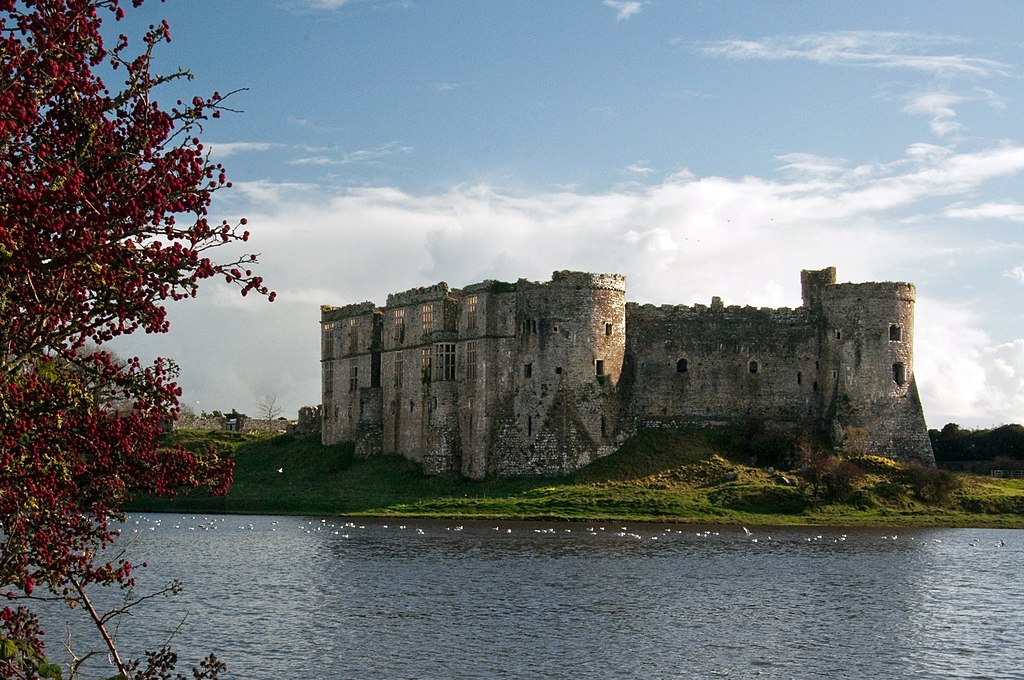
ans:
(867, 370)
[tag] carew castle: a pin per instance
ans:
(534, 378)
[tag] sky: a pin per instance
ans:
(699, 148)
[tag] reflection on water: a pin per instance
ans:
(279, 597)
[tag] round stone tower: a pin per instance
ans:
(867, 369)
(568, 357)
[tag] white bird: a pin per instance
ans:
(747, 531)
(280, 470)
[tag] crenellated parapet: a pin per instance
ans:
(415, 296)
(585, 279)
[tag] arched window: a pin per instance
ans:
(753, 366)
(682, 366)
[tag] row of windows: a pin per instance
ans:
(327, 339)
(895, 333)
(899, 371)
(529, 327)
(427, 317)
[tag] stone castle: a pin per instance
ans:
(533, 378)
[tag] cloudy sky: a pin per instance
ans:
(699, 148)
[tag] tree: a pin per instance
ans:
(268, 406)
(104, 197)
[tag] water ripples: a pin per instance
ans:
(290, 597)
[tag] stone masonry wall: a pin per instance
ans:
(718, 365)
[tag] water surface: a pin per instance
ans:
(285, 597)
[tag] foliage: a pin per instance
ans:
(931, 485)
(832, 478)
(103, 219)
(954, 443)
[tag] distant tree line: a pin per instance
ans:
(1004, 445)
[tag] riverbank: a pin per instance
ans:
(685, 477)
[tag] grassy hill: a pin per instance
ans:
(686, 476)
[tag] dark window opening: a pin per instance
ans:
(607, 329)
(527, 370)
(754, 367)
(558, 370)
(814, 387)
(799, 378)
(899, 373)
(895, 332)
(529, 426)
(599, 367)
(412, 405)
(839, 335)
(682, 366)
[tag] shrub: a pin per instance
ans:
(931, 485)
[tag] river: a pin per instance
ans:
(286, 597)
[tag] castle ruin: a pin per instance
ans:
(534, 378)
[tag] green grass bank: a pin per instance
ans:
(694, 476)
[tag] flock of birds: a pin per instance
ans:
(348, 529)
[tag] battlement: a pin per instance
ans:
(722, 313)
(885, 290)
(588, 280)
(413, 296)
(490, 286)
(328, 314)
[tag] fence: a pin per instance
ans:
(1008, 474)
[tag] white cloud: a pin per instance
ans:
(640, 168)
(1017, 274)
(873, 49)
(680, 241)
(938, 106)
(367, 156)
(624, 9)
(224, 149)
(962, 375)
(1012, 212)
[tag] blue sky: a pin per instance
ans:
(699, 148)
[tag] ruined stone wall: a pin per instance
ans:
(485, 373)
(721, 365)
(348, 343)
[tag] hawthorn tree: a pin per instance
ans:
(104, 199)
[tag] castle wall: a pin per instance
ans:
(722, 365)
(348, 337)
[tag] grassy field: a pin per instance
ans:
(674, 476)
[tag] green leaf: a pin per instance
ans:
(50, 670)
